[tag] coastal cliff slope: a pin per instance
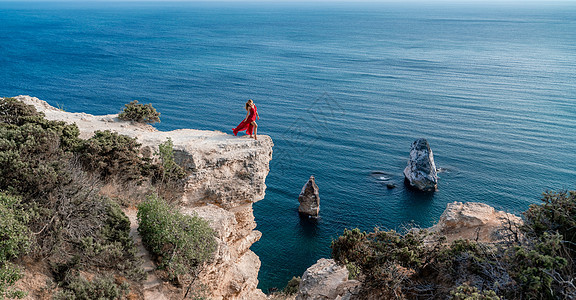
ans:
(227, 175)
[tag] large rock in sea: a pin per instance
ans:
(421, 171)
(309, 199)
(325, 280)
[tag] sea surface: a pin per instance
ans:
(343, 89)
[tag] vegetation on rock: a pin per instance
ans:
(292, 286)
(100, 287)
(171, 171)
(536, 262)
(181, 242)
(114, 157)
(52, 207)
(140, 113)
(15, 241)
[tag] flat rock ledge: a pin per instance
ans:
(475, 221)
(226, 170)
(227, 176)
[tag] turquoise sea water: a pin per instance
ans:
(343, 89)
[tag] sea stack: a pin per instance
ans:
(309, 199)
(421, 171)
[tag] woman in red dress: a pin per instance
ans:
(249, 123)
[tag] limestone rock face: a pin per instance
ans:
(227, 176)
(325, 280)
(309, 199)
(421, 170)
(473, 220)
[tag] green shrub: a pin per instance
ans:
(100, 288)
(467, 292)
(32, 161)
(535, 265)
(9, 274)
(111, 246)
(557, 214)
(33, 151)
(15, 237)
(169, 176)
(16, 112)
(293, 286)
(15, 241)
(113, 156)
(141, 113)
(382, 259)
(539, 264)
(416, 263)
(366, 249)
(171, 171)
(181, 242)
(543, 263)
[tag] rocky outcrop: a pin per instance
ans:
(309, 199)
(475, 221)
(325, 280)
(421, 171)
(227, 175)
(471, 220)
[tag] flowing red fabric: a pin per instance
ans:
(247, 124)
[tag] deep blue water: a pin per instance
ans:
(343, 89)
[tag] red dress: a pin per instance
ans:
(247, 124)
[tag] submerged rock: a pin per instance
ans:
(309, 199)
(421, 171)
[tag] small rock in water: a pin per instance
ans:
(309, 199)
(390, 186)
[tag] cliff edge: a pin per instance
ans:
(227, 175)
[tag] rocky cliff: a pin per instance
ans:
(227, 176)
(326, 280)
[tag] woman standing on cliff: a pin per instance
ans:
(249, 123)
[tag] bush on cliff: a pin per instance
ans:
(75, 228)
(292, 286)
(114, 157)
(182, 243)
(34, 152)
(556, 215)
(16, 112)
(15, 241)
(169, 177)
(100, 287)
(171, 171)
(140, 113)
(544, 261)
(539, 264)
